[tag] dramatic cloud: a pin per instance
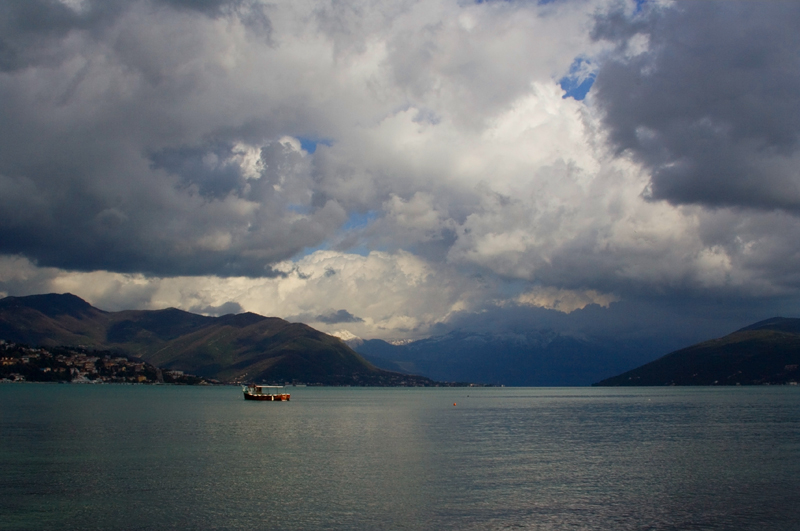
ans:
(705, 94)
(392, 169)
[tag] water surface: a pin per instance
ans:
(160, 457)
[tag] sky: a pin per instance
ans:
(398, 170)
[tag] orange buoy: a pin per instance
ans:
(454, 403)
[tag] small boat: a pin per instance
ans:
(265, 392)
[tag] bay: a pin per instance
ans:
(170, 457)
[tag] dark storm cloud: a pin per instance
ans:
(711, 107)
(30, 30)
(115, 156)
(185, 218)
(190, 164)
(342, 316)
(661, 324)
(211, 7)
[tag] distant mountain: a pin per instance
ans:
(767, 352)
(539, 358)
(243, 347)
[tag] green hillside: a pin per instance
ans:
(767, 352)
(245, 347)
(52, 320)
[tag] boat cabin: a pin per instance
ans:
(270, 393)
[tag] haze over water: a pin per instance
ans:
(143, 457)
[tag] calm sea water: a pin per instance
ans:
(161, 457)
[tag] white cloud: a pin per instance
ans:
(393, 295)
(566, 301)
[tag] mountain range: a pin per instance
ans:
(254, 348)
(532, 358)
(242, 347)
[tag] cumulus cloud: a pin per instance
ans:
(396, 166)
(113, 162)
(398, 295)
(565, 301)
(151, 136)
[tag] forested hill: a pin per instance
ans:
(767, 352)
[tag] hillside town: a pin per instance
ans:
(22, 363)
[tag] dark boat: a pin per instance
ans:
(264, 392)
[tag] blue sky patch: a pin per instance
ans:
(580, 79)
(310, 144)
(299, 209)
(359, 220)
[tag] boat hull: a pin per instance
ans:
(283, 397)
